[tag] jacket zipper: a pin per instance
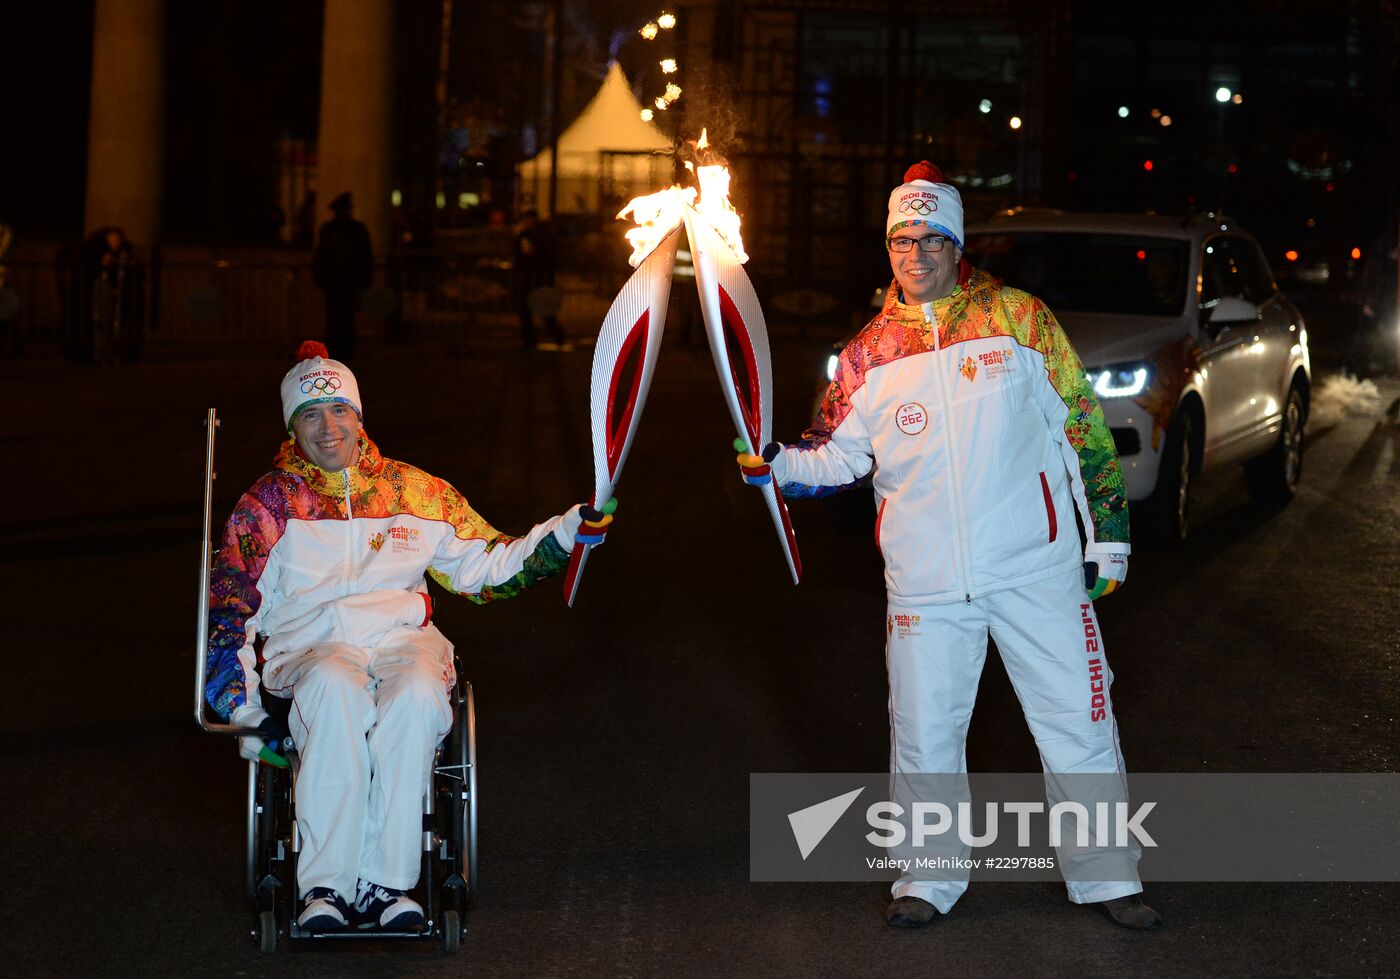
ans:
(953, 457)
(349, 536)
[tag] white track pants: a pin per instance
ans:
(366, 724)
(1049, 640)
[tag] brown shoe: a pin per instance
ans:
(910, 912)
(1130, 912)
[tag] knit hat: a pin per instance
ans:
(316, 379)
(924, 198)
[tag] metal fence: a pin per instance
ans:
(267, 301)
(240, 301)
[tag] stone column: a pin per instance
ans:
(126, 125)
(353, 147)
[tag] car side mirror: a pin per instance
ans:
(1227, 311)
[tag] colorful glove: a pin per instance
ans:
(1104, 573)
(756, 470)
(266, 746)
(595, 522)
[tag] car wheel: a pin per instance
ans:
(1169, 509)
(1274, 476)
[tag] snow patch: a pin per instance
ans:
(1338, 395)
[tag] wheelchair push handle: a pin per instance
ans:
(201, 716)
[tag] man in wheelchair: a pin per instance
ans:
(325, 556)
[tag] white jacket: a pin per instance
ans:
(976, 420)
(313, 556)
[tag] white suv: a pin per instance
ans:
(1197, 358)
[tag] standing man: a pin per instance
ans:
(115, 287)
(342, 266)
(966, 402)
(325, 557)
(533, 279)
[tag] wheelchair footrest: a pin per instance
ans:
(429, 930)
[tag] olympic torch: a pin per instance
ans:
(623, 363)
(738, 338)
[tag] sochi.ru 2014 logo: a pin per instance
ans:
(376, 542)
(404, 540)
(998, 362)
(969, 369)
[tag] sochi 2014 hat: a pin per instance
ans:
(316, 379)
(924, 198)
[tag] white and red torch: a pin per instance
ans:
(737, 332)
(625, 357)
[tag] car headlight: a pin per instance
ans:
(831, 363)
(1121, 380)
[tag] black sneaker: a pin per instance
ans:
(384, 907)
(323, 910)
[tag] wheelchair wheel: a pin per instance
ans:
(468, 822)
(261, 828)
(267, 932)
(451, 931)
(269, 799)
(457, 787)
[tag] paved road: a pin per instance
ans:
(617, 738)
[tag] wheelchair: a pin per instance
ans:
(447, 880)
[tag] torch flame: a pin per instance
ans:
(657, 214)
(715, 207)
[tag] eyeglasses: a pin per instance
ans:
(928, 243)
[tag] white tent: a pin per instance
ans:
(608, 154)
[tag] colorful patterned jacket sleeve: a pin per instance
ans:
(235, 600)
(1070, 407)
(835, 454)
(484, 565)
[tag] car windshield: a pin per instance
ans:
(1088, 273)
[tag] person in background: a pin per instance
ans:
(533, 281)
(342, 266)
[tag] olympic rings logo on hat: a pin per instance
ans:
(321, 385)
(919, 205)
